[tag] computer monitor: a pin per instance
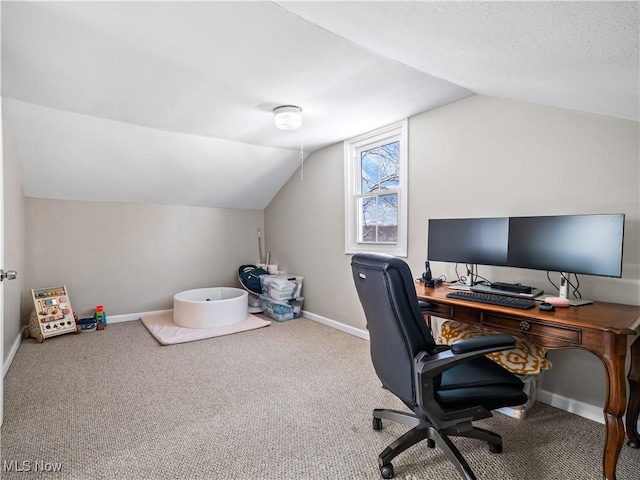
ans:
(585, 244)
(481, 241)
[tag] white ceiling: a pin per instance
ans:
(171, 102)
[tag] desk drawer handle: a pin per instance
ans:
(525, 326)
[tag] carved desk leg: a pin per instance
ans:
(613, 355)
(633, 409)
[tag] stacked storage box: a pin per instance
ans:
(281, 297)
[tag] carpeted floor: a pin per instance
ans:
(291, 401)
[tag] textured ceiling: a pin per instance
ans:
(576, 55)
(171, 102)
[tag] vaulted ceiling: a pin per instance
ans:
(171, 102)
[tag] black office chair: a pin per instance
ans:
(446, 387)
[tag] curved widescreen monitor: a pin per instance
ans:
(585, 244)
(480, 241)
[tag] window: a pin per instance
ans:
(376, 191)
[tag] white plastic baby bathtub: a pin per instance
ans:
(210, 307)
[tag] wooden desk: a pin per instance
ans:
(603, 329)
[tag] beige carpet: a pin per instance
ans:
(288, 402)
(168, 333)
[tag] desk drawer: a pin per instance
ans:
(532, 327)
(440, 310)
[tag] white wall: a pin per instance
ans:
(304, 230)
(133, 258)
(476, 157)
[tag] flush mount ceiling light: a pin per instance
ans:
(288, 117)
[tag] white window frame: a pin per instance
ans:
(352, 172)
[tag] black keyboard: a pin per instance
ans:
(501, 300)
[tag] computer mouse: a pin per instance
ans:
(547, 307)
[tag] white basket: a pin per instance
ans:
(281, 286)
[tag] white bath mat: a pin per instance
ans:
(168, 333)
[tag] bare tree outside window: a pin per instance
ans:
(379, 173)
(376, 191)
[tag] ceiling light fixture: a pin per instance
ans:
(288, 117)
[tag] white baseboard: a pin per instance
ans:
(128, 317)
(586, 410)
(337, 325)
(12, 354)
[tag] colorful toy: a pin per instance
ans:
(87, 324)
(52, 316)
(100, 317)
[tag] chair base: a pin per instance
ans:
(423, 429)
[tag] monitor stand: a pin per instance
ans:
(564, 292)
(472, 271)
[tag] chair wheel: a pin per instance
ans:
(431, 443)
(377, 424)
(495, 448)
(387, 471)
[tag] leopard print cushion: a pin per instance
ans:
(526, 359)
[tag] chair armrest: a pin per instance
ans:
(466, 349)
(428, 369)
(425, 306)
(478, 343)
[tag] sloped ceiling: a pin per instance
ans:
(171, 102)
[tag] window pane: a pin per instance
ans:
(379, 168)
(388, 218)
(368, 208)
(369, 170)
(389, 156)
(379, 219)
